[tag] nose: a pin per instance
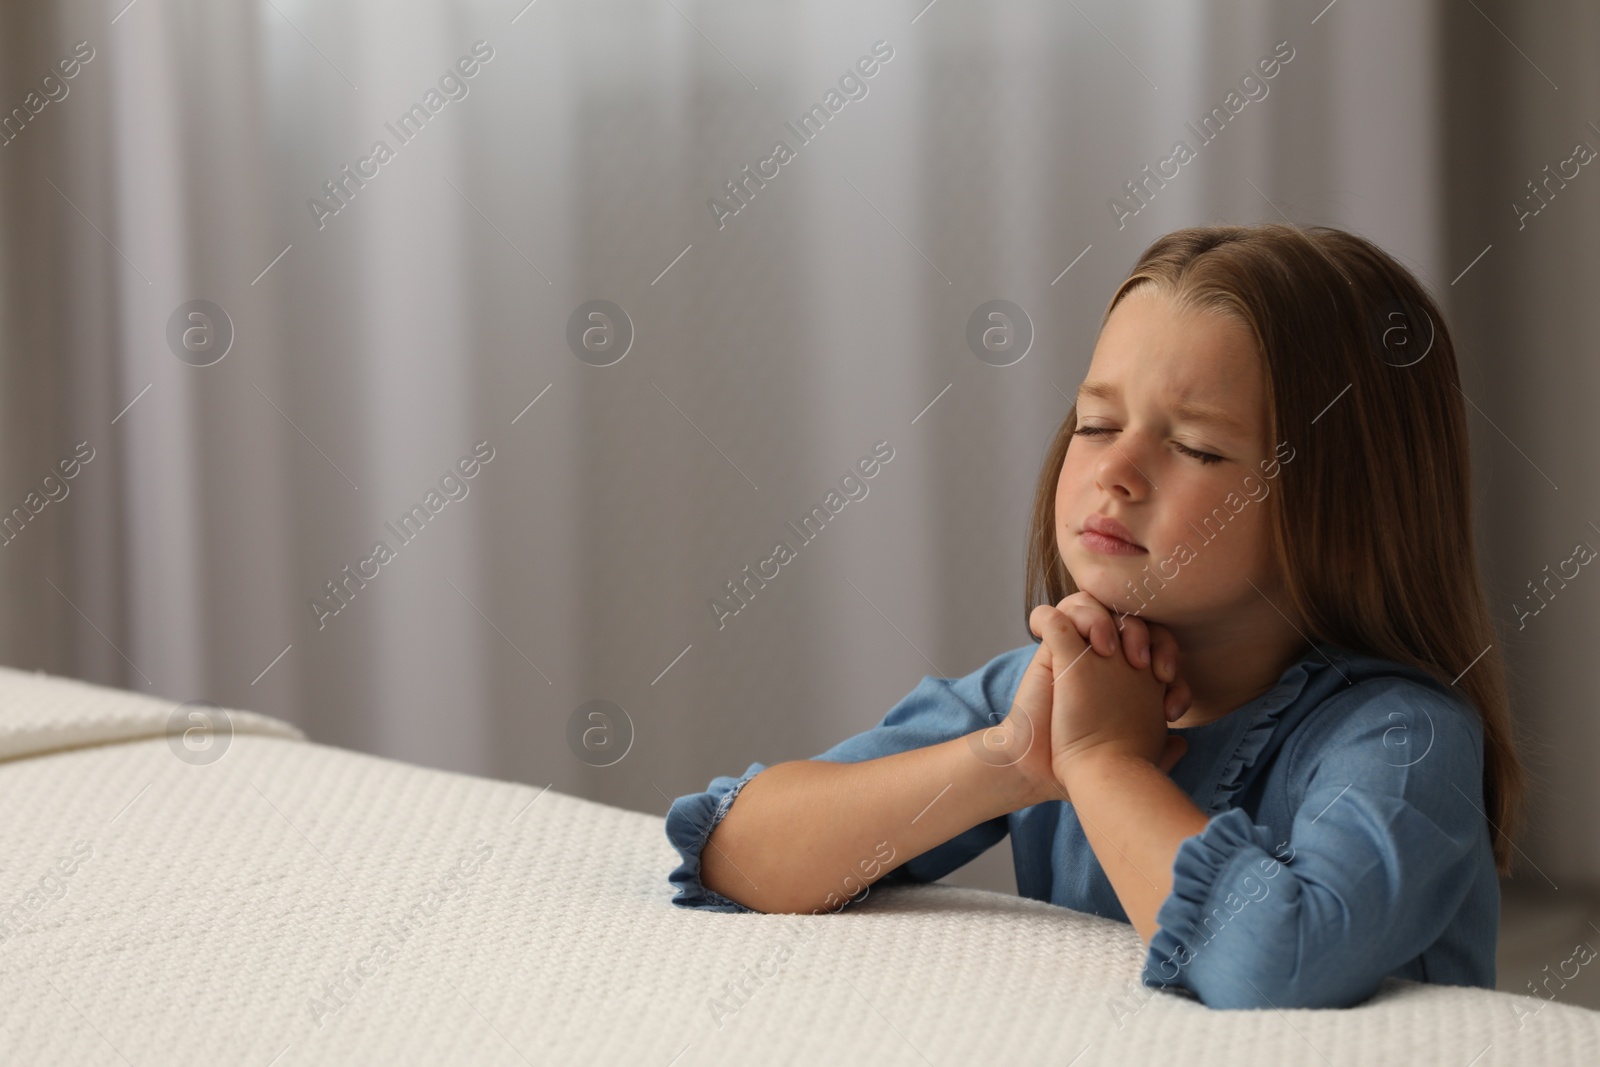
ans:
(1116, 474)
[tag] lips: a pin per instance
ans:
(1107, 534)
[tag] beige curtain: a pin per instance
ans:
(428, 306)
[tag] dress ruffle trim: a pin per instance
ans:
(1261, 729)
(690, 821)
(1196, 868)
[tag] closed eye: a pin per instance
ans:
(1206, 458)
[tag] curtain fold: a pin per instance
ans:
(391, 310)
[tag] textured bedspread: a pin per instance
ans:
(287, 903)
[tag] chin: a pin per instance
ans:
(1106, 586)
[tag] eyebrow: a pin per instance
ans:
(1183, 409)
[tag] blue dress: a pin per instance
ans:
(1348, 838)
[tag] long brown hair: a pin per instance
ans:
(1360, 371)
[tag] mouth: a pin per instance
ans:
(1109, 537)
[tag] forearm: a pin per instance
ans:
(1135, 817)
(807, 832)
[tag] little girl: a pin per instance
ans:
(1290, 763)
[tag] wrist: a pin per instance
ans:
(1086, 762)
(1009, 768)
(1031, 789)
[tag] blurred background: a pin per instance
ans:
(258, 342)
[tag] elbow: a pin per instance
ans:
(750, 881)
(1257, 984)
(1258, 973)
(722, 877)
(1288, 957)
(1285, 999)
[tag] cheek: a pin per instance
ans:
(1228, 546)
(1256, 543)
(1074, 472)
(1067, 490)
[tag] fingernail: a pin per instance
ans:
(1144, 656)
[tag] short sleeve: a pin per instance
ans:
(1387, 838)
(938, 709)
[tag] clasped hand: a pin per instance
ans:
(1072, 707)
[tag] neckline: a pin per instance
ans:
(1284, 689)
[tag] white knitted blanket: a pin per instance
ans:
(290, 903)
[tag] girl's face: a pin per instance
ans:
(1163, 485)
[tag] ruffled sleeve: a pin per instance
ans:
(690, 821)
(1198, 870)
(1380, 856)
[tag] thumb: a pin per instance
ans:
(1175, 748)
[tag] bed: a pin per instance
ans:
(191, 885)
